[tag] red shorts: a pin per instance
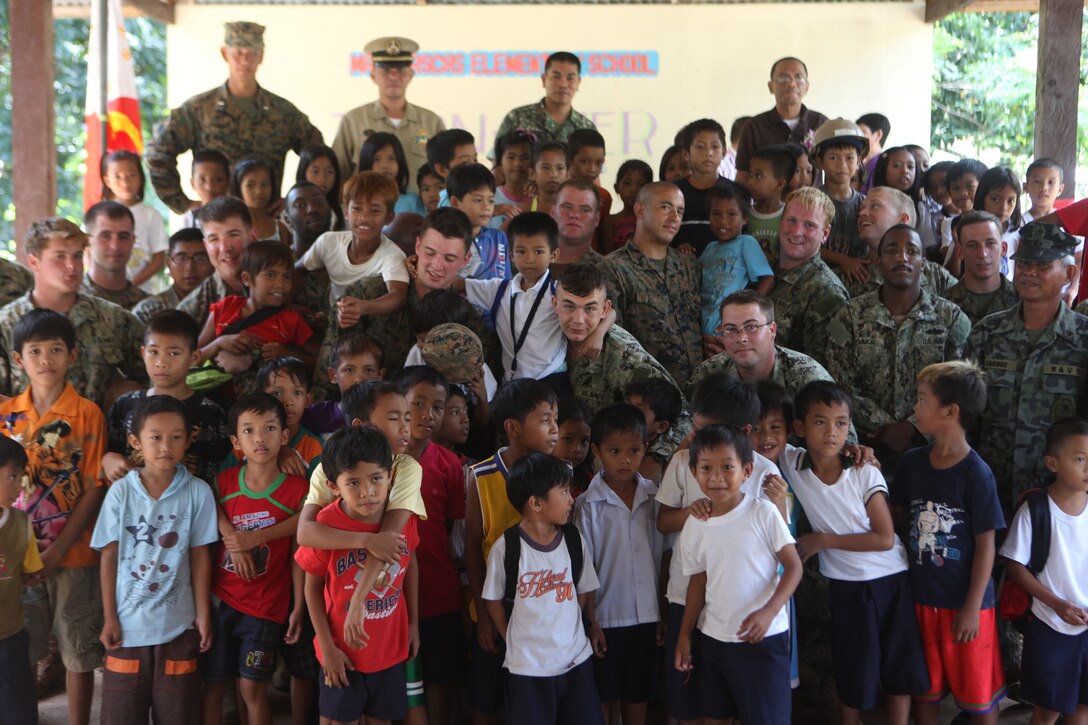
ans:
(971, 671)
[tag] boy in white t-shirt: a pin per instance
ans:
(717, 399)
(733, 555)
(1054, 666)
(874, 639)
(547, 650)
(363, 250)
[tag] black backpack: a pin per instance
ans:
(512, 558)
(1014, 604)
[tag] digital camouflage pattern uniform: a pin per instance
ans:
(792, 370)
(198, 302)
(15, 281)
(264, 127)
(147, 308)
(877, 361)
(535, 118)
(127, 298)
(805, 298)
(935, 279)
(661, 309)
(108, 338)
(623, 361)
(976, 306)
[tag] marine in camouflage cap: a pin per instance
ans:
(243, 34)
(1041, 242)
(455, 351)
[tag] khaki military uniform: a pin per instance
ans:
(535, 118)
(15, 281)
(661, 309)
(149, 307)
(1029, 387)
(264, 127)
(127, 298)
(878, 361)
(976, 306)
(415, 130)
(805, 298)
(108, 339)
(935, 279)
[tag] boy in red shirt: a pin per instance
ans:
(254, 572)
(368, 681)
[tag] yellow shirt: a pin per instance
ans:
(405, 493)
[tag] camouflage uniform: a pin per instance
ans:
(660, 309)
(878, 361)
(264, 127)
(804, 299)
(197, 303)
(591, 256)
(1028, 387)
(623, 361)
(935, 279)
(976, 306)
(535, 118)
(792, 370)
(107, 338)
(15, 281)
(1082, 308)
(147, 308)
(127, 298)
(416, 128)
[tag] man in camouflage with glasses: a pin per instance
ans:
(188, 264)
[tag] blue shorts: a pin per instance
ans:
(566, 699)
(242, 645)
(1054, 668)
(681, 688)
(487, 678)
(875, 641)
(746, 681)
(628, 671)
(443, 649)
(381, 695)
(18, 700)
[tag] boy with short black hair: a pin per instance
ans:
(661, 404)
(616, 517)
(430, 186)
(874, 643)
(961, 182)
(471, 188)
(525, 410)
(1044, 182)
(770, 171)
(1052, 668)
(551, 167)
(838, 148)
(252, 582)
(358, 680)
(447, 150)
(155, 531)
(210, 179)
(949, 493)
(64, 436)
(739, 600)
(354, 358)
(587, 157)
(169, 350)
(704, 144)
(547, 656)
(19, 552)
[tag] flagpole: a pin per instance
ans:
(103, 22)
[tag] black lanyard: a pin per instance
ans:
(519, 339)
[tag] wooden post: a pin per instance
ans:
(34, 153)
(1057, 84)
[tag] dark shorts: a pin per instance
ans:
(381, 695)
(300, 658)
(487, 678)
(628, 671)
(681, 688)
(243, 645)
(1054, 668)
(162, 679)
(443, 649)
(875, 640)
(746, 681)
(566, 699)
(18, 703)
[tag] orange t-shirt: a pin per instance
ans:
(65, 448)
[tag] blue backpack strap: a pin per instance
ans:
(1038, 503)
(503, 286)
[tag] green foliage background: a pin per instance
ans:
(983, 96)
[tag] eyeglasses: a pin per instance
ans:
(731, 333)
(783, 80)
(181, 258)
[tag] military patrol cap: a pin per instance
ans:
(840, 131)
(1040, 242)
(243, 35)
(395, 52)
(455, 351)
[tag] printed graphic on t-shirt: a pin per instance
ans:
(931, 535)
(251, 521)
(535, 584)
(150, 577)
(385, 595)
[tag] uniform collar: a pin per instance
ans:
(805, 462)
(377, 110)
(1064, 326)
(598, 490)
(66, 405)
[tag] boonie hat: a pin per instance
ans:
(243, 35)
(840, 130)
(455, 351)
(1041, 242)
